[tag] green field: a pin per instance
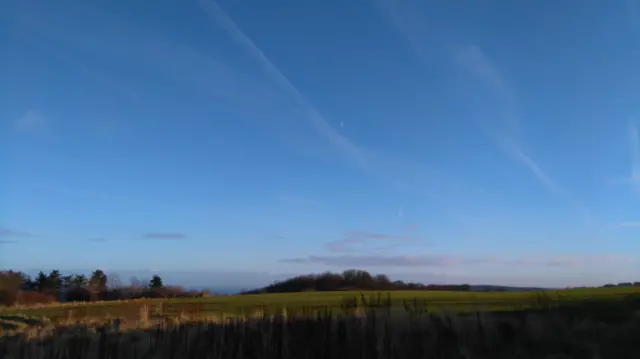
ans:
(600, 322)
(243, 304)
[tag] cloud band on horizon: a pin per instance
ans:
(451, 261)
(164, 235)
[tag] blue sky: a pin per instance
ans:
(494, 142)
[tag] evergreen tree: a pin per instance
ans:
(155, 282)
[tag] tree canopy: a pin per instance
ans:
(352, 279)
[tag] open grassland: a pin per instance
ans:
(241, 305)
(370, 326)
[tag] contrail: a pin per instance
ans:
(313, 116)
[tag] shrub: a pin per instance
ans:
(157, 293)
(29, 297)
(8, 297)
(78, 294)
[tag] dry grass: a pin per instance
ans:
(374, 336)
(99, 303)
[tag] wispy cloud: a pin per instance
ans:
(97, 239)
(505, 132)
(635, 156)
(354, 240)
(504, 128)
(374, 260)
(5, 232)
(473, 59)
(137, 47)
(405, 174)
(7, 241)
(533, 166)
(32, 121)
(451, 261)
(572, 260)
(134, 46)
(131, 46)
(406, 20)
(315, 118)
(628, 224)
(164, 235)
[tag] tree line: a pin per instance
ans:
(351, 279)
(19, 288)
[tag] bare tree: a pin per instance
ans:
(114, 281)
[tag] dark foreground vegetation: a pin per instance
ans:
(368, 327)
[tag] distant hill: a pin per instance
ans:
(350, 280)
(287, 285)
(218, 290)
(472, 288)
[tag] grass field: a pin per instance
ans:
(581, 323)
(577, 323)
(243, 304)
